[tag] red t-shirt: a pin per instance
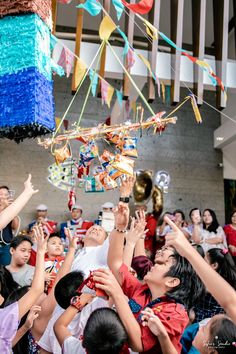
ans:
(230, 237)
(173, 315)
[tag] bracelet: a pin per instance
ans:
(122, 231)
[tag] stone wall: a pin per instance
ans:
(185, 150)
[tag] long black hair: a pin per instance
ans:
(190, 289)
(7, 283)
(22, 346)
(226, 267)
(214, 225)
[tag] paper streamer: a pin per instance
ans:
(151, 30)
(92, 6)
(106, 28)
(119, 8)
(130, 59)
(143, 7)
(127, 45)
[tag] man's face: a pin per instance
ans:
(41, 214)
(96, 233)
(21, 254)
(76, 214)
(54, 247)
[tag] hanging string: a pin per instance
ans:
(90, 86)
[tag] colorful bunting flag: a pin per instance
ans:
(130, 59)
(119, 96)
(119, 8)
(148, 65)
(66, 60)
(127, 45)
(150, 29)
(142, 7)
(80, 71)
(94, 81)
(92, 6)
(106, 28)
(195, 108)
(106, 92)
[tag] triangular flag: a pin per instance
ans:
(106, 92)
(94, 81)
(110, 93)
(57, 121)
(143, 7)
(151, 30)
(195, 109)
(80, 71)
(119, 8)
(126, 47)
(130, 58)
(66, 60)
(119, 96)
(148, 65)
(53, 41)
(92, 6)
(106, 28)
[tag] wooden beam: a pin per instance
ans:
(221, 19)
(177, 13)
(78, 39)
(54, 16)
(199, 25)
(129, 29)
(154, 18)
(106, 5)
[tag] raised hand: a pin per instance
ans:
(121, 213)
(137, 229)
(40, 239)
(32, 315)
(72, 240)
(106, 281)
(153, 322)
(126, 186)
(177, 239)
(29, 188)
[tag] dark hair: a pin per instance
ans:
(67, 287)
(222, 335)
(200, 250)
(7, 283)
(55, 234)
(160, 221)
(232, 213)
(214, 225)
(22, 346)
(193, 209)
(178, 211)
(226, 267)
(4, 187)
(190, 289)
(16, 241)
(104, 333)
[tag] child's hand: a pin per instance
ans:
(153, 322)
(121, 213)
(106, 281)
(49, 277)
(72, 240)
(85, 299)
(41, 241)
(29, 188)
(127, 186)
(33, 314)
(177, 239)
(137, 230)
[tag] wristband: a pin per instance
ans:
(75, 302)
(124, 199)
(122, 231)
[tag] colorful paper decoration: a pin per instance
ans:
(150, 29)
(62, 154)
(66, 60)
(195, 108)
(119, 96)
(123, 164)
(87, 153)
(94, 81)
(106, 92)
(93, 185)
(107, 26)
(142, 7)
(92, 6)
(107, 182)
(63, 176)
(119, 8)
(40, 7)
(130, 59)
(129, 147)
(127, 45)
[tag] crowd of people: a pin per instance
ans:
(125, 284)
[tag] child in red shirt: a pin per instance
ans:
(170, 288)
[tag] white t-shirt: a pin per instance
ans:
(91, 258)
(73, 345)
(206, 235)
(49, 342)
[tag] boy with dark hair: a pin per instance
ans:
(67, 287)
(20, 249)
(168, 289)
(104, 333)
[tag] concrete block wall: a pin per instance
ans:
(185, 150)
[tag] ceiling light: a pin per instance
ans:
(219, 138)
